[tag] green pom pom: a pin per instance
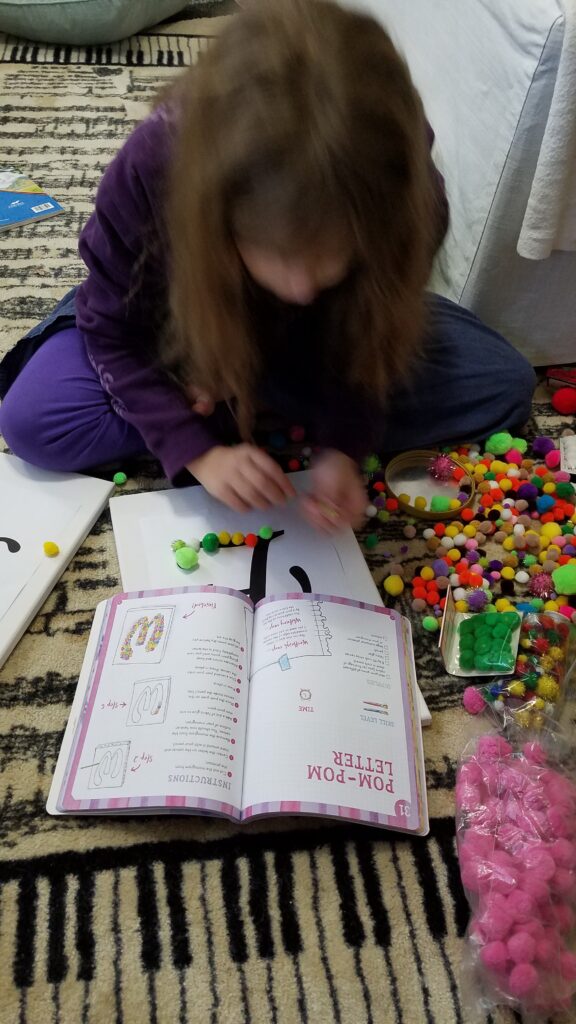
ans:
(371, 541)
(466, 660)
(265, 532)
(176, 544)
(430, 624)
(119, 479)
(371, 464)
(564, 490)
(500, 443)
(520, 445)
(210, 542)
(564, 579)
(186, 558)
(439, 503)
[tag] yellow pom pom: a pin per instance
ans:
(556, 653)
(480, 469)
(453, 555)
(505, 485)
(549, 530)
(393, 585)
(508, 544)
(427, 573)
(508, 572)
(539, 704)
(454, 503)
(405, 499)
(523, 718)
(516, 689)
(546, 663)
(502, 604)
(551, 606)
(237, 539)
(224, 538)
(51, 549)
(461, 606)
(420, 503)
(523, 658)
(549, 488)
(470, 530)
(548, 688)
(452, 530)
(498, 467)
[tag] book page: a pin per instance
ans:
(165, 714)
(332, 725)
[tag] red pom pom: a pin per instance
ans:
(251, 540)
(564, 401)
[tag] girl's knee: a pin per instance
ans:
(18, 428)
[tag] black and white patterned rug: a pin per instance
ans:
(188, 921)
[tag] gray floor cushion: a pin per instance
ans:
(82, 21)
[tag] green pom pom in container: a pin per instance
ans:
(419, 493)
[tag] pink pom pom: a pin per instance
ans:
(534, 753)
(514, 456)
(476, 844)
(563, 917)
(566, 610)
(473, 700)
(504, 872)
(494, 956)
(521, 905)
(568, 965)
(496, 922)
(552, 459)
(546, 951)
(564, 853)
(470, 771)
(492, 748)
(467, 797)
(539, 863)
(521, 948)
(558, 788)
(560, 822)
(513, 781)
(523, 980)
(563, 882)
(537, 888)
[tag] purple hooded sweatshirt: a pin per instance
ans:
(122, 308)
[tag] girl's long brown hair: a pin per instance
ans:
(301, 119)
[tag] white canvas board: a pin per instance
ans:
(145, 525)
(37, 506)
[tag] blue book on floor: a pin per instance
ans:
(21, 200)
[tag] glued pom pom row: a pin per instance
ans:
(186, 553)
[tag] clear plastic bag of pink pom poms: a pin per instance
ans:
(516, 832)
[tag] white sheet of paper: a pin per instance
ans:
(146, 524)
(36, 506)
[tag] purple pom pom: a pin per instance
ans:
(477, 599)
(529, 492)
(542, 445)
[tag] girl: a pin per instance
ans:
(261, 244)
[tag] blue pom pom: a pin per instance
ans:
(544, 502)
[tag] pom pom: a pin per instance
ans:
(521, 947)
(541, 585)
(552, 459)
(539, 863)
(494, 956)
(51, 549)
(119, 479)
(500, 443)
(186, 558)
(568, 965)
(393, 585)
(564, 853)
(542, 445)
(523, 980)
(441, 467)
(564, 401)
(564, 579)
(492, 748)
(473, 700)
(210, 542)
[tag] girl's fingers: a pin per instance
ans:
(272, 472)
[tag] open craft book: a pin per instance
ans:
(193, 700)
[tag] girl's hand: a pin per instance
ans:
(201, 402)
(338, 496)
(243, 477)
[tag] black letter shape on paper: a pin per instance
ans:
(302, 578)
(12, 545)
(257, 589)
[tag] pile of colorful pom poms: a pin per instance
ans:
(526, 506)
(186, 553)
(516, 827)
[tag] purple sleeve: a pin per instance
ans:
(122, 303)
